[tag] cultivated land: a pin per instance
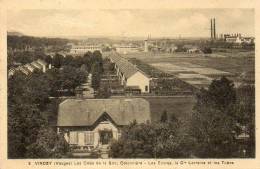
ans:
(231, 63)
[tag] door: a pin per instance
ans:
(105, 136)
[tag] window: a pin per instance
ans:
(146, 88)
(73, 137)
(89, 137)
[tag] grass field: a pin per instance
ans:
(180, 107)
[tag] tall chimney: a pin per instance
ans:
(214, 28)
(211, 29)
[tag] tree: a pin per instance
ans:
(212, 121)
(222, 94)
(58, 60)
(27, 100)
(246, 116)
(159, 140)
(96, 75)
(164, 117)
(48, 59)
(47, 145)
(24, 122)
(207, 50)
(37, 89)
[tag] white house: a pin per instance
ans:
(129, 74)
(92, 123)
(43, 64)
(30, 67)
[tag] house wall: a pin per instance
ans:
(79, 134)
(105, 125)
(139, 79)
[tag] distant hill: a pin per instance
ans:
(12, 33)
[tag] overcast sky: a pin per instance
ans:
(158, 23)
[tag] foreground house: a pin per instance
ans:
(92, 123)
(129, 74)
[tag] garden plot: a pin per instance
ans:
(168, 67)
(208, 71)
(193, 74)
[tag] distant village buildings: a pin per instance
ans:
(126, 48)
(129, 74)
(237, 38)
(30, 67)
(82, 49)
(92, 123)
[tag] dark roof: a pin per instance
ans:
(126, 67)
(85, 112)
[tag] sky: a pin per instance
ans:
(130, 23)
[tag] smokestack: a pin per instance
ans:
(211, 29)
(214, 28)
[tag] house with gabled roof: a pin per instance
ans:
(92, 123)
(129, 74)
(30, 67)
(37, 65)
(23, 70)
(43, 64)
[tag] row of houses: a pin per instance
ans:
(129, 75)
(30, 67)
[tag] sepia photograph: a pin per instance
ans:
(131, 83)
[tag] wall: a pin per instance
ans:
(107, 125)
(138, 79)
(104, 125)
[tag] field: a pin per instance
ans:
(202, 68)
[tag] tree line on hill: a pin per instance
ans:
(211, 131)
(21, 42)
